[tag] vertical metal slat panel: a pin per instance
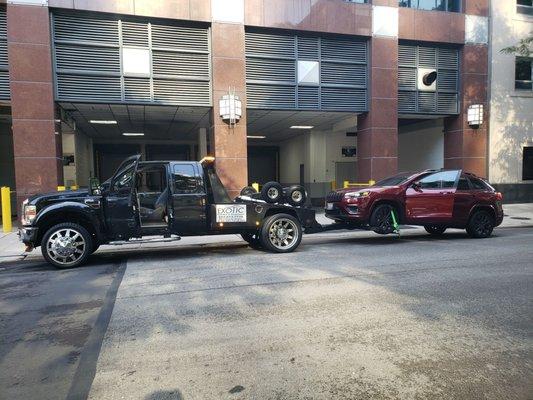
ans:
(447, 80)
(407, 55)
(308, 48)
(343, 74)
(136, 89)
(194, 93)
(427, 102)
(407, 102)
(134, 34)
(84, 29)
(343, 99)
(427, 57)
(448, 58)
(343, 49)
(407, 78)
(4, 85)
(308, 97)
(270, 45)
(180, 38)
(87, 58)
(270, 96)
(266, 69)
(180, 64)
(88, 88)
(447, 103)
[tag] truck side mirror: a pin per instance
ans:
(94, 186)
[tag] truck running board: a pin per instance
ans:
(158, 239)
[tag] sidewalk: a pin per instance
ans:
(11, 249)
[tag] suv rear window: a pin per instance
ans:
(479, 184)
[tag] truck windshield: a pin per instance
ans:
(220, 195)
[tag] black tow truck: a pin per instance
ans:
(159, 201)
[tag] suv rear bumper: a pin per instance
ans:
(28, 235)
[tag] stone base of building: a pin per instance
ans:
(515, 192)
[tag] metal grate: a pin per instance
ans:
(4, 74)
(270, 96)
(3, 55)
(270, 70)
(407, 102)
(342, 49)
(84, 29)
(180, 64)
(308, 48)
(343, 99)
(447, 103)
(407, 55)
(87, 58)
(447, 80)
(136, 89)
(407, 78)
(427, 57)
(134, 34)
(308, 97)
(3, 23)
(448, 58)
(270, 45)
(427, 102)
(4, 85)
(88, 88)
(343, 74)
(180, 38)
(194, 93)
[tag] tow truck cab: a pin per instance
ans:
(156, 198)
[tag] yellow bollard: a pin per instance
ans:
(346, 184)
(333, 185)
(6, 209)
(255, 185)
(371, 182)
(60, 188)
(74, 187)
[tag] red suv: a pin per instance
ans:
(435, 199)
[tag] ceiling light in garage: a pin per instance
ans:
(133, 134)
(103, 121)
(255, 137)
(302, 127)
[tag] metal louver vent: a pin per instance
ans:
(137, 89)
(407, 102)
(308, 48)
(86, 88)
(407, 78)
(3, 55)
(448, 58)
(447, 103)
(269, 96)
(180, 64)
(270, 45)
(83, 29)
(87, 58)
(4, 91)
(178, 37)
(134, 34)
(427, 102)
(270, 70)
(182, 92)
(308, 97)
(427, 57)
(343, 74)
(447, 80)
(3, 23)
(4, 85)
(343, 99)
(340, 49)
(407, 55)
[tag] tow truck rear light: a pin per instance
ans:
(207, 160)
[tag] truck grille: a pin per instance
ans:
(334, 197)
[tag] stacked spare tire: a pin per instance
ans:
(273, 192)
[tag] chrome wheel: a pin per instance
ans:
(283, 234)
(297, 196)
(273, 193)
(66, 246)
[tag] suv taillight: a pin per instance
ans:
(499, 196)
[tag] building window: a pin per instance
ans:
(527, 164)
(524, 6)
(439, 5)
(523, 73)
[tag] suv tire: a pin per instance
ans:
(435, 230)
(66, 245)
(480, 224)
(381, 220)
(272, 192)
(280, 233)
(296, 195)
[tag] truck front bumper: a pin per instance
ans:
(28, 236)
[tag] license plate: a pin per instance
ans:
(329, 206)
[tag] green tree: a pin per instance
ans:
(524, 48)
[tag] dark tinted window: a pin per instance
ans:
(394, 180)
(124, 180)
(185, 179)
(527, 164)
(218, 191)
(478, 184)
(444, 179)
(463, 184)
(523, 72)
(151, 180)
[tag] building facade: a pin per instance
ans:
(331, 90)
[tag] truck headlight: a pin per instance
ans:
(355, 195)
(28, 213)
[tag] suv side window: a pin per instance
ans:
(463, 183)
(439, 180)
(478, 184)
(124, 180)
(185, 179)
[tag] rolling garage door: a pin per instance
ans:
(95, 57)
(442, 101)
(305, 72)
(4, 74)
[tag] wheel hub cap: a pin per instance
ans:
(66, 246)
(283, 233)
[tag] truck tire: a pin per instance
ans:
(435, 230)
(66, 245)
(296, 195)
(272, 192)
(252, 239)
(280, 233)
(381, 219)
(480, 225)
(248, 191)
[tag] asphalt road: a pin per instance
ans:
(347, 316)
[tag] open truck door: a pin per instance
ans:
(121, 210)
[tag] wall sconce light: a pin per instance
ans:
(475, 115)
(230, 107)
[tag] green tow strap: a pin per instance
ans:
(395, 222)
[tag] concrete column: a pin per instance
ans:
(202, 143)
(377, 132)
(465, 147)
(37, 148)
(229, 70)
